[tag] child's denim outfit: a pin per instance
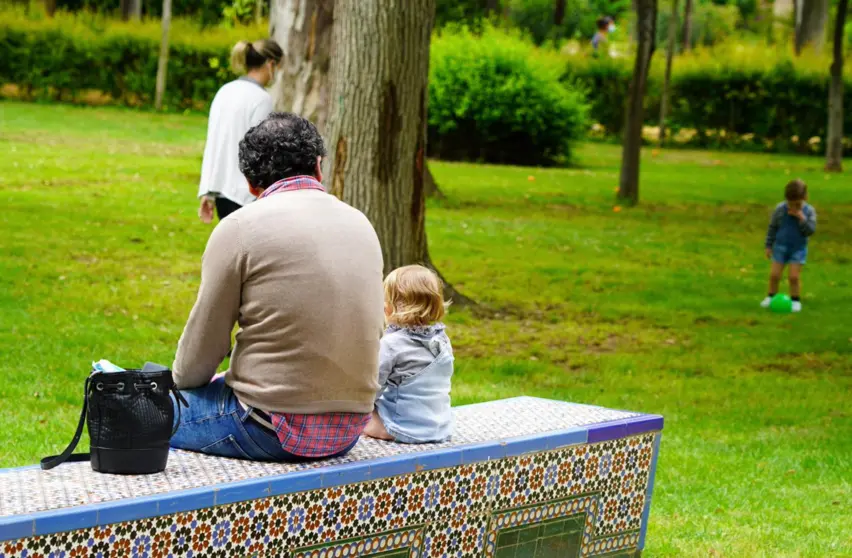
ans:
(415, 368)
(788, 237)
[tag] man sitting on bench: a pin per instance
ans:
(300, 272)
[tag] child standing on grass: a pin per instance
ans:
(792, 222)
(415, 362)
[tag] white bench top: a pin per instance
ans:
(483, 431)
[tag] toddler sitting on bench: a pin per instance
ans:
(415, 362)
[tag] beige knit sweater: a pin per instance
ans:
(301, 273)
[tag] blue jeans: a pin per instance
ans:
(789, 254)
(216, 424)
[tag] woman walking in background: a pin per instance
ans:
(237, 106)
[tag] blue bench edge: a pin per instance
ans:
(131, 509)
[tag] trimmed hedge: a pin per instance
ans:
(69, 56)
(750, 96)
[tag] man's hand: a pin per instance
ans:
(205, 211)
(768, 253)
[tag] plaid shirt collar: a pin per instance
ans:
(303, 182)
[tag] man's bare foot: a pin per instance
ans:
(375, 428)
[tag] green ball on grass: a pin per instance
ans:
(781, 303)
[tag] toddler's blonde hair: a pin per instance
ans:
(415, 296)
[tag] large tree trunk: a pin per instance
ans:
(670, 49)
(163, 62)
(834, 142)
(810, 31)
(646, 23)
(687, 25)
(377, 119)
(303, 28)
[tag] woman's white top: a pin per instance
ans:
(237, 106)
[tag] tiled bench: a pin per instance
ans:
(522, 478)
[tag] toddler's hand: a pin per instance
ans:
(797, 213)
(769, 253)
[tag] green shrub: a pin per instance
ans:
(721, 93)
(497, 99)
(606, 81)
(69, 56)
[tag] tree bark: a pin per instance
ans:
(125, 8)
(810, 31)
(258, 11)
(687, 25)
(559, 12)
(303, 28)
(163, 62)
(136, 9)
(670, 49)
(646, 23)
(834, 141)
(377, 119)
(49, 7)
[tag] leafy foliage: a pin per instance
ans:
(71, 56)
(495, 98)
(774, 101)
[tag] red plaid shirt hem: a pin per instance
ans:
(318, 435)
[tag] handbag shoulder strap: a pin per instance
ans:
(68, 455)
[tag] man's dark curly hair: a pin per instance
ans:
(282, 146)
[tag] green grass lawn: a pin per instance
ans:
(652, 309)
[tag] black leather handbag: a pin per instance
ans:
(129, 416)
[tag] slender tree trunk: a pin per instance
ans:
(136, 9)
(258, 11)
(811, 29)
(377, 119)
(559, 12)
(303, 28)
(163, 62)
(670, 49)
(125, 7)
(834, 141)
(492, 7)
(797, 20)
(687, 25)
(646, 23)
(49, 7)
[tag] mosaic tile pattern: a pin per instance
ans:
(454, 512)
(31, 490)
